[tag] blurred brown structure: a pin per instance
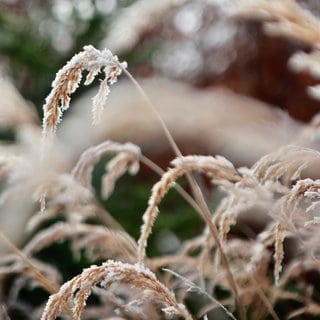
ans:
(200, 44)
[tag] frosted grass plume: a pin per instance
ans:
(67, 81)
(79, 289)
(219, 168)
(127, 158)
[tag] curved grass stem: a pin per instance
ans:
(198, 196)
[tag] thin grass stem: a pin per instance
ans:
(204, 210)
(153, 166)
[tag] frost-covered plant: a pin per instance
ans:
(130, 283)
(79, 288)
(68, 78)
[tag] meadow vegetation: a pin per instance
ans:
(251, 252)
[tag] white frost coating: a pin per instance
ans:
(110, 277)
(115, 275)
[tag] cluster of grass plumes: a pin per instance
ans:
(272, 183)
(243, 271)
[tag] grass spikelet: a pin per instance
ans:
(67, 81)
(78, 289)
(74, 189)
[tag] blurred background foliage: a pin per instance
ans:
(38, 37)
(195, 42)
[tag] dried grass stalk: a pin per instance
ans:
(78, 289)
(67, 81)
(74, 190)
(218, 168)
